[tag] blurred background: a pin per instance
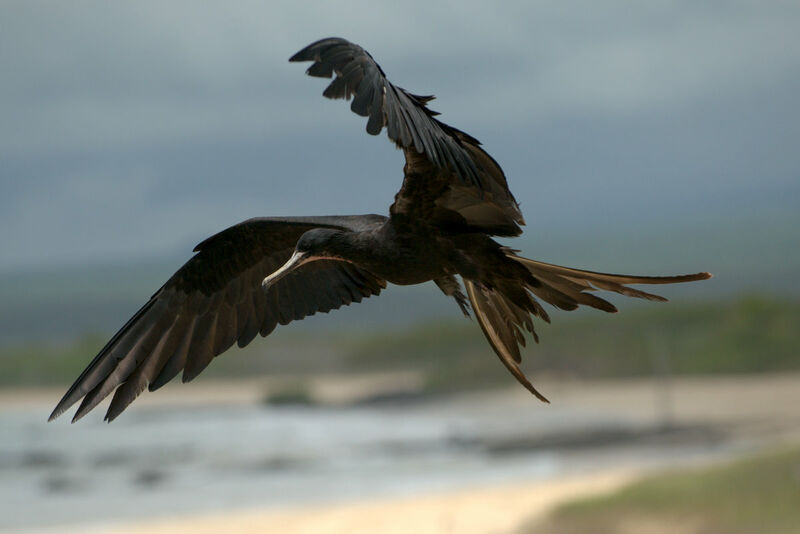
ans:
(646, 139)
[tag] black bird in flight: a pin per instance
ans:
(263, 272)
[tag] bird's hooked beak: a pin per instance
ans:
(297, 259)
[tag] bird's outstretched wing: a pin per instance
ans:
(449, 179)
(215, 300)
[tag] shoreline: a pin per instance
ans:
(698, 394)
(500, 508)
(597, 427)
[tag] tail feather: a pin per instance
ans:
(571, 290)
(495, 329)
(502, 316)
(578, 274)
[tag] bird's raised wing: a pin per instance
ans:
(449, 179)
(216, 299)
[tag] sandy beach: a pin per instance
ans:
(480, 511)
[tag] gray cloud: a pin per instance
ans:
(132, 128)
(119, 74)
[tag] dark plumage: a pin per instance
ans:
(263, 272)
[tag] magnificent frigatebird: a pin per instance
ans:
(263, 272)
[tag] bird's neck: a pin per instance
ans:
(388, 254)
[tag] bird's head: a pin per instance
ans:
(316, 244)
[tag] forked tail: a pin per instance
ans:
(503, 320)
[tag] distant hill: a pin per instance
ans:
(730, 335)
(747, 254)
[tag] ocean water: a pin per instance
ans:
(160, 461)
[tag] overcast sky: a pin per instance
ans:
(133, 130)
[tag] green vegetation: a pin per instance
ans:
(760, 494)
(46, 364)
(752, 334)
(294, 393)
(287, 352)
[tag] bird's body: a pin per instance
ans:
(407, 256)
(397, 256)
(249, 278)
